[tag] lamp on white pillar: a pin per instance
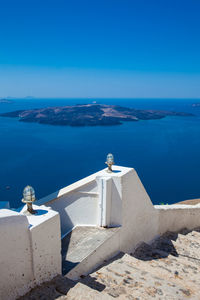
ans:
(110, 162)
(29, 198)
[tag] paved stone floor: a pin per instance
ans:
(169, 269)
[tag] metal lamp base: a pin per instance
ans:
(30, 211)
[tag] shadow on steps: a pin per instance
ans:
(162, 247)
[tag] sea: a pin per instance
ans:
(165, 153)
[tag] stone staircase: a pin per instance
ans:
(169, 269)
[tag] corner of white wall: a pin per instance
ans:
(15, 255)
(139, 219)
(176, 217)
(45, 236)
(30, 250)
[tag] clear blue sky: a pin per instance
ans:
(100, 48)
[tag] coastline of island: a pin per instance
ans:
(4, 100)
(89, 115)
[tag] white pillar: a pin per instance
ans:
(105, 192)
(45, 238)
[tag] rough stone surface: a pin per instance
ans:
(167, 269)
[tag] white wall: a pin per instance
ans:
(76, 204)
(176, 217)
(139, 218)
(83, 202)
(30, 250)
(130, 208)
(16, 265)
(141, 221)
(45, 243)
(128, 205)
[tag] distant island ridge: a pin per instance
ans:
(196, 104)
(5, 100)
(11, 99)
(89, 115)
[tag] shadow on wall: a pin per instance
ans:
(65, 241)
(60, 205)
(64, 218)
(66, 264)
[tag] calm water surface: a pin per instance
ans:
(165, 153)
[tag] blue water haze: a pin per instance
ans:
(165, 152)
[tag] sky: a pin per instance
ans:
(100, 48)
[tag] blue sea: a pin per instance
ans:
(165, 153)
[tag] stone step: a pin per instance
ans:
(123, 279)
(63, 288)
(145, 252)
(80, 243)
(174, 269)
(82, 292)
(195, 233)
(187, 245)
(54, 289)
(182, 246)
(148, 252)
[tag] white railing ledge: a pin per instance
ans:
(176, 206)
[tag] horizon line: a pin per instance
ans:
(91, 98)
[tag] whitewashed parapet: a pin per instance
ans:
(16, 264)
(176, 217)
(30, 250)
(45, 235)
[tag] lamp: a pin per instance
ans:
(110, 162)
(29, 198)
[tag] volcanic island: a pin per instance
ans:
(89, 115)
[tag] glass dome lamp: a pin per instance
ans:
(110, 162)
(29, 198)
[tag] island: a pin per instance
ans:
(5, 100)
(196, 104)
(88, 115)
